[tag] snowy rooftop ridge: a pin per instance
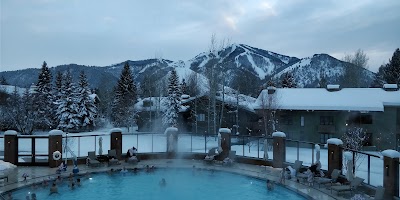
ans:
(346, 99)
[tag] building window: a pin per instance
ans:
(147, 103)
(360, 119)
(286, 120)
(302, 121)
(324, 137)
(201, 117)
(326, 120)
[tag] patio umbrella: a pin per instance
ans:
(266, 149)
(219, 143)
(101, 146)
(349, 165)
(317, 153)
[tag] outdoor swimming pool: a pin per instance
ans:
(180, 184)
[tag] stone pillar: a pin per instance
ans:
(116, 141)
(55, 144)
(335, 154)
(225, 139)
(391, 172)
(279, 150)
(11, 147)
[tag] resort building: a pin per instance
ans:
(317, 114)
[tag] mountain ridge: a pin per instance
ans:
(237, 63)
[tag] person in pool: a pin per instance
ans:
(53, 189)
(270, 185)
(163, 183)
(78, 182)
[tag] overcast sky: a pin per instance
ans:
(95, 32)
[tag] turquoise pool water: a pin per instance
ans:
(182, 184)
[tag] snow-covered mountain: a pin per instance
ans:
(239, 65)
(309, 71)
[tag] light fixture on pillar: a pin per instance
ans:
(387, 170)
(332, 154)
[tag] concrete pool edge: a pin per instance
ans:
(255, 171)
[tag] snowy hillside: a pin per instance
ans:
(309, 71)
(239, 65)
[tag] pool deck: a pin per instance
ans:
(37, 174)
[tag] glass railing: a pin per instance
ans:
(368, 165)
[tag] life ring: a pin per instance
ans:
(56, 155)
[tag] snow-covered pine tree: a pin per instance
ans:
(123, 113)
(183, 87)
(392, 69)
(87, 108)
(68, 108)
(172, 102)
(43, 99)
(3, 81)
(288, 81)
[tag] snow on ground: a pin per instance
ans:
(81, 143)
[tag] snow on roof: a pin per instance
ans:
(56, 132)
(171, 130)
(10, 132)
(391, 153)
(224, 130)
(390, 86)
(346, 99)
(278, 134)
(334, 141)
(329, 87)
(116, 130)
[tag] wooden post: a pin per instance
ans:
(11, 147)
(279, 150)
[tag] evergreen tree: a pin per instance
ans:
(123, 114)
(183, 87)
(288, 81)
(3, 81)
(87, 108)
(391, 71)
(173, 101)
(322, 82)
(43, 99)
(271, 83)
(68, 108)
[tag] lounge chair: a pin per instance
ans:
(92, 161)
(211, 155)
(344, 188)
(323, 180)
(379, 193)
(112, 157)
(296, 166)
(4, 177)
